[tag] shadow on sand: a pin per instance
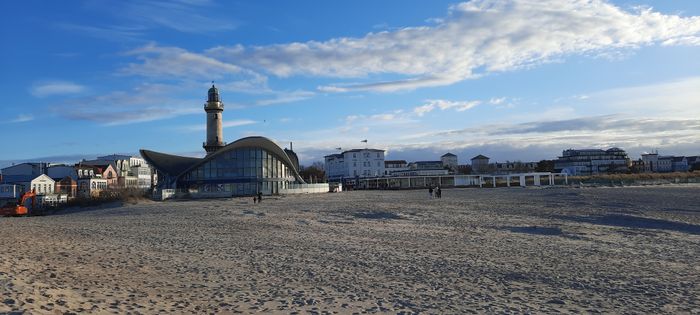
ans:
(377, 215)
(535, 230)
(629, 221)
(79, 209)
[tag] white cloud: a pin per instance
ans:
(476, 37)
(50, 88)
(168, 62)
(286, 97)
(23, 118)
(225, 124)
(664, 116)
(430, 105)
(19, 119)
(675, 99)
(114, 32)
(184, 16)
(127, 107)
(497, 100)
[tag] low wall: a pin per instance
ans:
(305, 189)
(163, 194)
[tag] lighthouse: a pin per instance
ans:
(214, 109)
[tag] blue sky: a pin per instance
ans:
(512, 79)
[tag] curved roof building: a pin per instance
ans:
(244, 167)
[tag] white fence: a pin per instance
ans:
(483, 180)
(305, 189)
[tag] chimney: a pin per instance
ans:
(290, 146)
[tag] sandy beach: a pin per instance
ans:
(505, 250)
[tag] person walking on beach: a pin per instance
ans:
(254, 199)
(438, 192)
(430, 192)
(259, 197)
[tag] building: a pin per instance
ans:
(133, 171)
(42, 185)
(425, 165)
(91, 187)
(85, 171)
(654, 163)
(449, 160)
(391, 166)
(651, 162)
(10, 192)
(665, 164)
(214, 108)
(680, 164)
(355, 163)
(67, 186)
(693, 163)
(422, 172)
(247, 166)
(104, 170)
(592, 162)
(513, 167)
(480, 164)
(22, 173)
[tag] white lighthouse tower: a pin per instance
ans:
(215, 134)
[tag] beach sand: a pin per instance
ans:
(504, 250)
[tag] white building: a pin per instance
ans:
(593, 161)
(513, 167)
(42, 185)
(91, 187)
(665, 164)
(133, 170)
(391, 166)
(354, 163)
(449, 160)
(651, 162)
(480, 164)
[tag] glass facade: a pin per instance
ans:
(242, 171)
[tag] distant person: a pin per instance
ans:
(254, 199)
(438, 192)
(430, 192)
(259, 197)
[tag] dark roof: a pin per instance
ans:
(168, 163)
(100, 163)
(426, 162)
(8, 179)
(395, 161)
(480, 157)
(448, 154)
(678, 158)
(334, 155)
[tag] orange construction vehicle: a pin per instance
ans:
(19, 209)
